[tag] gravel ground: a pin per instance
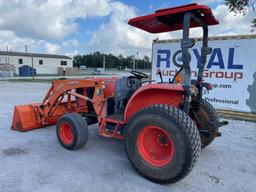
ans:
(34, 161)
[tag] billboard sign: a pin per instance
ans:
(231, 68)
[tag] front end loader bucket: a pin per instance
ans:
(24, 118)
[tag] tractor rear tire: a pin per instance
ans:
(72, 131)
(162, 143)
(205, 114)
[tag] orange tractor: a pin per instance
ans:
(164, 125)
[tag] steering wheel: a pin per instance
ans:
(139, 75)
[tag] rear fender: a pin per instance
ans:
(151, 94)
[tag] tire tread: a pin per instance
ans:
(190, 132)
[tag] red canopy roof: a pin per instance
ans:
(171, 19)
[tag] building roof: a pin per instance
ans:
(23, 54)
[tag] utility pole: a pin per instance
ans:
(104, 62)
(32, 61)
(133, 68)
(137, 60)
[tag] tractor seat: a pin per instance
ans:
(122, 94)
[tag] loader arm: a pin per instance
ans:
(56, 94)
(57, 101)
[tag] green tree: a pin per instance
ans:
(77, 60)
(95, 60)
(241, 6)
(147, 63)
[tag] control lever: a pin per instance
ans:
(160, 75)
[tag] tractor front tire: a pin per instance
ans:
(72, 131)
(162, 143)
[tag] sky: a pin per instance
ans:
(73, 27)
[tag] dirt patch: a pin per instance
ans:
(14, 151)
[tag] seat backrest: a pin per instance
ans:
(122, 94)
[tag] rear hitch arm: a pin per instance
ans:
(218, 124)
(207, 133)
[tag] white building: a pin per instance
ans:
(43, 63)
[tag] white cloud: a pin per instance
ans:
(48, 19)
(231, 23)
(207, 2)
(14, 43)
(36, 22)
(51, 48)
(73, 53)
(70, 43)
(118, 37)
